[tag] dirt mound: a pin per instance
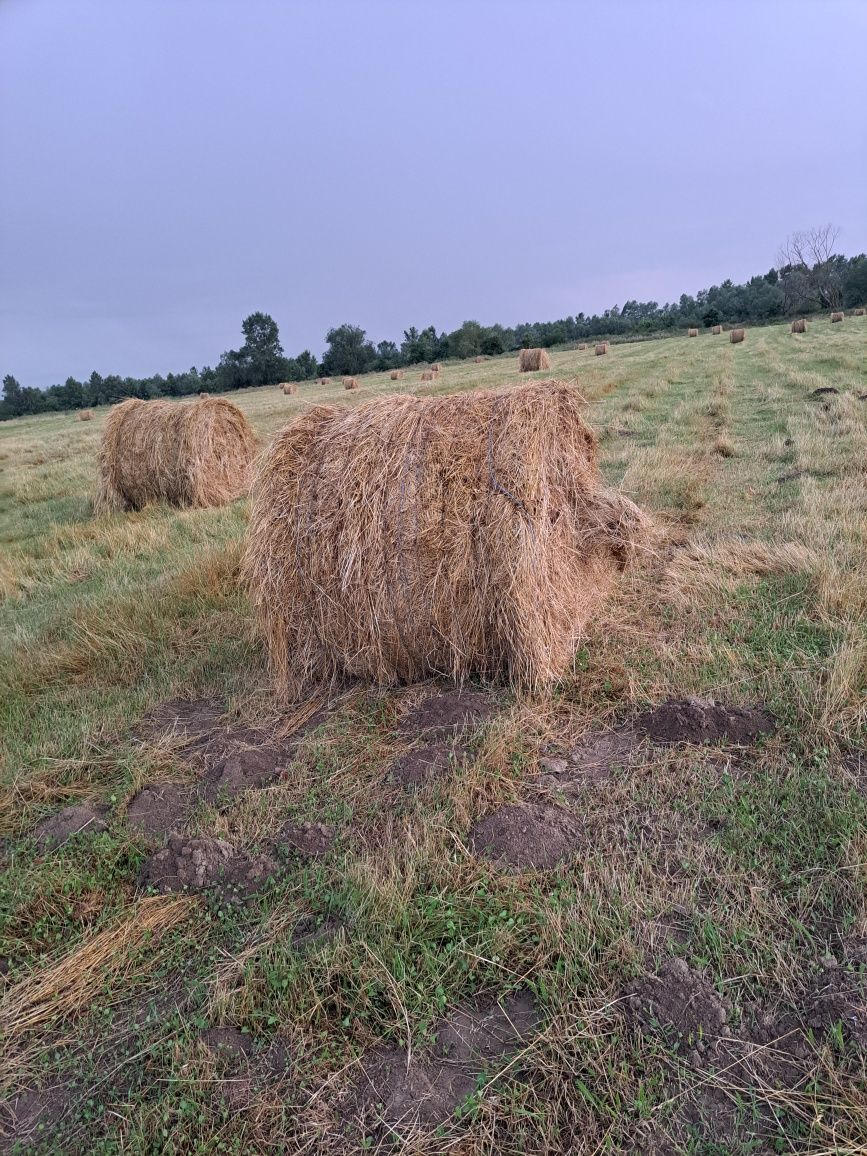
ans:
(307, 840)
(245, 768)
(526, 836)
(227, 1041)
(66, 824)
(443, 714)
(822, 390)
(427, 1089)
(159, 808)
(679, 1005)
(695, 720)
(201, 863)
(426, 765)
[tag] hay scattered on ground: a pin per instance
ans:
(396, 374)
(408, 537)
(85, 415)
(289, 387)
(532, 360)
(736, 336)
(716, 330)
(799, 326)
(836, 317)
(692, 333)
(198, 453)
(350, 383)
(601, 347)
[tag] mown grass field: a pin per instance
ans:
(747, 863)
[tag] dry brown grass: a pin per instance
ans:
(799, 325)
(736, 336)
(601, 347)
(410, 537)
(716, 330)
(85, 415)
(396, 375)
(195, 454)
(350, 383)
(692, 333)
(289, 387)
(532, 360)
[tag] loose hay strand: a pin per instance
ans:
(443, 535)
(75, 980)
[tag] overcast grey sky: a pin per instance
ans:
(169, 166)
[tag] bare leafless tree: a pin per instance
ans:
(808, 268)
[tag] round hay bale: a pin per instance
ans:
(436, 367)
(410, 536)
(583, 346)
(325, 381)
(350, 383)
(858, 312)
(736, 336)
(692, 333)
(800, 325)
(396, 374)
(601, 347)
(478, 360)
(427, 375)
(289, 387)
(193, 454)
(204, 394)
(85, 415)
(532, 360)
(836, 317)
(716, 330)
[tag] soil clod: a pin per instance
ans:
(678, 1004)
(695, 720)
(526, 836)
(159, 808)
(202, 863)
(307, 840)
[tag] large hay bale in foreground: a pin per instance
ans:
(193, 454)
(692, 333)
(350, 383)
(799, 325)
(532, 360)
(85, 415)
(601, 347)
(289, 387)
(446, 535)
(736, 336)
(836, 317)
(716, 330)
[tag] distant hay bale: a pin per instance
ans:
(583, 346)
(289, 387)
(396, 374)
(736, 336)
(800, 325)
(836, 317)
(448, 535)
(692, 333)
(350, 383)
(85, 415)
(325, 381)
(601, 347)
(477, 360)
(197, 453)
(532, 360)
(716, 330)
(436, 367)
(204, 394)
(427, 375)
(858, 312)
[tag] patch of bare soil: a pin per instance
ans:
(443, 714)
(306, 840)
(59, 828)
(426, 765)
(32, 1117)
(593, 760)
(159, 808)
(695, 720)
(679, 1005)
(202, 863)
(526, 836)
(242, 1068)
(396, 1090)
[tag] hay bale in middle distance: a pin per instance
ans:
(396, 374)
(85, 415)
(836, 317)
(601, 347)
(799, 325)
(350, 383)
(692, 333)
(858, 312)
(736, 336)
(716, 330)
(413, 536)
(289, 387)
(427, 375)
(582, 346)
(532, 360)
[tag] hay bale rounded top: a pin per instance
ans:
(692, 333)
(799, 325)
(407, 537)
(736, 336)
(196, 453)
(532, 360)
(716, 330)
(837, 316)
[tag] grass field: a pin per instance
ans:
(689, 977)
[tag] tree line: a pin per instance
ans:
(808, 276)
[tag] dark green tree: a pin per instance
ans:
(349, 352)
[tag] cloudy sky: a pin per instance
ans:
(169, 166)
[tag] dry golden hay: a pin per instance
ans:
(85, 415)
(532, 360)
(799, 325)
(601, 347)
(858, 312)
(396, 374)
(736, 336)
(692, 333)
(413, 536)
(716, 330)
(427, 375)
(195, 454)
(350, 383)
(583, 346)
(289, 387)
(836, 317)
